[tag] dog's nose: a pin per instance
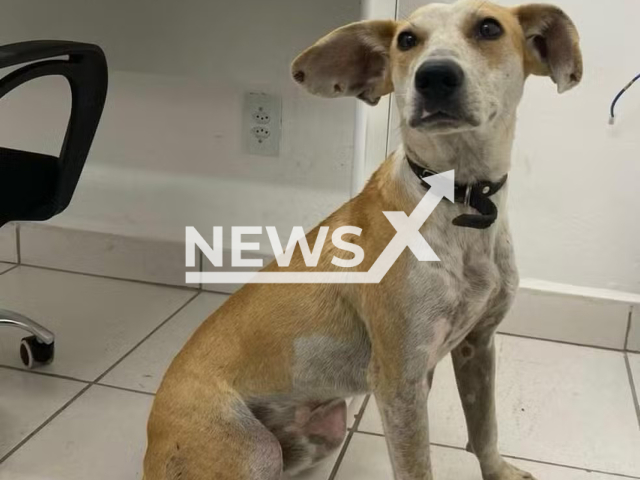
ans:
(439, 80)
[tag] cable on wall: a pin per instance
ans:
(612, 118)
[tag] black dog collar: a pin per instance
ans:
(474, 195)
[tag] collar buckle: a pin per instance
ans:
(476, 196)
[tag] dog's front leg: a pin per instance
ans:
(403, 407)
(474, 364)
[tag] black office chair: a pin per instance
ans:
(36, 187)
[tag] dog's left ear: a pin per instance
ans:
(553, 44)
(350, 61)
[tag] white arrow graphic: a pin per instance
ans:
(408, 235)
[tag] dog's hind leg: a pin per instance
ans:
(196, 435)
(308, 432)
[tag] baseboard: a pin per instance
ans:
(103, 254)
(572, 318)
(567, 313)
(9, 243)
(633, 338)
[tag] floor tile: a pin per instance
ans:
(4, 267)
(367, 459)
(96, 320)
(145, 367)
(101, 436)
(567, 405)
(26, 401)
(322, 471)
(556, 403)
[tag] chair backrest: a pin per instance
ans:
(35, 186)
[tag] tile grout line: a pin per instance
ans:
(100, 377)
(149, 335)
(125, 389)
(121, 279)
(628, 334)
(561, 342)
(45, 374)
(632, 384)
(347, 441)
(10, 268)
(514, 457)
(571, 467)
(73, 379)
(45, 423)
(360, 414)
(94, 382)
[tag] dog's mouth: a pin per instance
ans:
(434, 119)
(442, 119)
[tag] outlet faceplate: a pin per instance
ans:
(262, 124)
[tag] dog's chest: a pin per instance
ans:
(449, 298)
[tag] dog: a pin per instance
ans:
(258, 392)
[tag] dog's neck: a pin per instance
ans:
(479, 155)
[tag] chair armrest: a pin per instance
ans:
(25, 52)
(87, 74)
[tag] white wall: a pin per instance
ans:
(168, 152)
(574, 191)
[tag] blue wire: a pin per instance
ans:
(622, 92)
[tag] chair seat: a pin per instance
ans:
(27, 185)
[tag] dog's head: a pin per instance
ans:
(453, 67)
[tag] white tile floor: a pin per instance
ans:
(567, 412)
(4, 267)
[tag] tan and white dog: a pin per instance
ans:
(259, 389)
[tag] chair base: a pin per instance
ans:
(37, 349)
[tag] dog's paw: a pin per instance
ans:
(508, 472)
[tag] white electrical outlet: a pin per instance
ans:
(261, 123)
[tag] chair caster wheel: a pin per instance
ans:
(34, 353)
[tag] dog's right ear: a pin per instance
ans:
(350, 61)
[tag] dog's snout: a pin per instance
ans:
(438, 80)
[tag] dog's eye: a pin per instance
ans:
(406, 41)
(490, 29)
